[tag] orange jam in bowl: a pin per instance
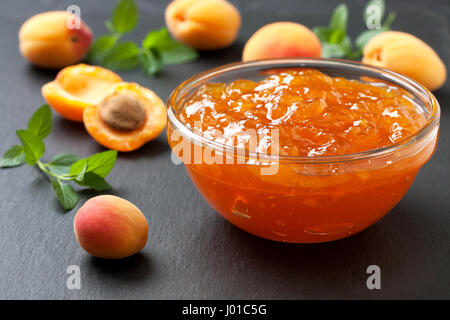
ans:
(302, 150)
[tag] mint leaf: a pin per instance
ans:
(110, 27)
(323, 33)
(389, 20)
(170, 50)
(64, 159)
(40, 123)
(125, 16)
(123, 56)
(151, 61)
(346, 44)
(365, 36)
(94, 181)
(61, 163)
(332, 50)
(336, 36)
(33, 146)
(339, 18)
(100, 48)
(65, 193)
(13, 157)
(102, 163)
(175, 52)
(155, 38)
(78, 169)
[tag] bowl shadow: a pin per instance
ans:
(330, 270)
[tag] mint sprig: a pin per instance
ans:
(62, 168)
(156, 50)
(335, 41)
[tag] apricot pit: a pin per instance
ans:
(122, 112)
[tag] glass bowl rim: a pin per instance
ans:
(396, 78)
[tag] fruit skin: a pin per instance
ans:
(406, 54)
(46, 41)
(110, 227)
(203, 24)
(128, 141)
(77, 87)
(282, 40)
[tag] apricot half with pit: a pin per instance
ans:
(77, 87)
(54, 39)
(127, 118)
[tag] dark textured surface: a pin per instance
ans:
(192, 252)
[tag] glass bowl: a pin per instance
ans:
(301, 199)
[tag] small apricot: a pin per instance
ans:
(77, 87)
(282, 40)
(406, 54)
(127, 118)
(110, 227)
(203, 24)
(54, 39)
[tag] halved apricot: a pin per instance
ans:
(127, 118)
(77, 87)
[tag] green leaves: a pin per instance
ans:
(94, 181)
(100, 48)
(151, 61)
(40, 123)
(125, 16)
(91, 172)
(65, 193)
(102, 163)
(157, 49)
(13, 157)
(33, 146)
(87, 172)
(338, 21)
(61, 163)
(123, 56)
(78, 169)
(335, 41)
(170, 50)
(365, 36)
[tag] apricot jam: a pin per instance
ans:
(308, 115)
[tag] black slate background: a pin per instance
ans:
(192, 252)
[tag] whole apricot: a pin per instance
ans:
(110, 227)
(54, 39)
(282, 40)
(406, 54)
(203, 24)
